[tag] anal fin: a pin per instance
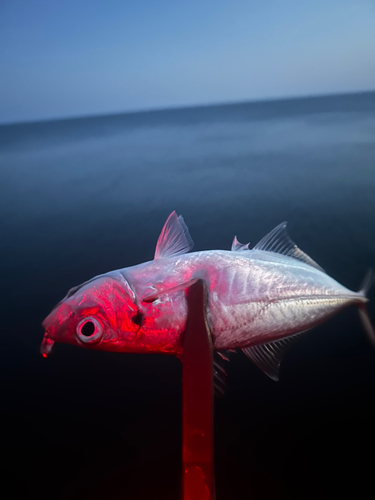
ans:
(220, 375)
(268, 356)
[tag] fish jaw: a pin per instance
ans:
(46, 345)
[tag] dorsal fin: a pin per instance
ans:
(278, 241)
(174, 238)
(268, 356)
(237, 246)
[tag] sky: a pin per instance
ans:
(68, 58)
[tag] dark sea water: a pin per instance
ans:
(81, 197)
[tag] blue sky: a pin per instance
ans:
(86, 57)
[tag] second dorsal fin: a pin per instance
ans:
(278, 241)
(174, 238)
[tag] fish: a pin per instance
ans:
(259, 300)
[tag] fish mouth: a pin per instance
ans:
(46, 345)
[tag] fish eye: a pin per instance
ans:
(89, 330)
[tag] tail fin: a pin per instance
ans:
(367, 282)
(366, 322)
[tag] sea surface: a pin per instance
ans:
(84, 196)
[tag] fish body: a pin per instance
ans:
(257, 300)
(253, 296)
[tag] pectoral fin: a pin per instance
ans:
(268, 356)
(155, 291)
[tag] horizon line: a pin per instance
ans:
(184, 107)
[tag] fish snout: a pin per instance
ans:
(56, 326)
(57, 318)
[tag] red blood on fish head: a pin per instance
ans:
(100, 314)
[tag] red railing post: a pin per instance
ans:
(197, 401)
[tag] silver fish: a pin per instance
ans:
(259, 300)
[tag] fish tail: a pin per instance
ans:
(363, 314)
(367, 282)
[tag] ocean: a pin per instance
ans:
(83, 196)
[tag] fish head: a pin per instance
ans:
(100, 314)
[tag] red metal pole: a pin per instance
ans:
(197, 401)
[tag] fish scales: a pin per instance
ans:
(251, 295)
